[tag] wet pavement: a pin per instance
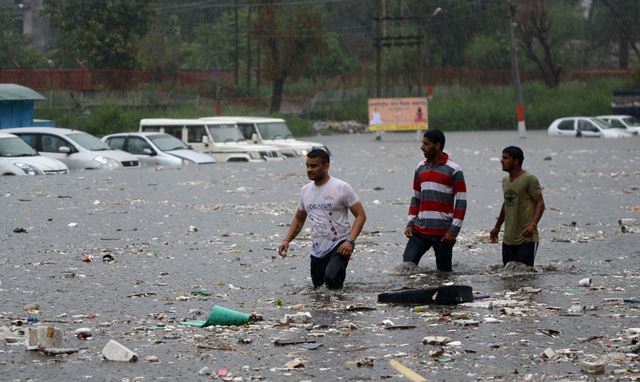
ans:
(185, 240)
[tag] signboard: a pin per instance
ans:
(398, 114)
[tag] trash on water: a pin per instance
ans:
(220, 316)
(294, 364)
(436, 340)
(114, 351)
(548, 353)
(441, 295)
(41, 337)
(585, 282)
(293, 341)
(592, 367)
(83, 333)
(297, 318)
(407, 372)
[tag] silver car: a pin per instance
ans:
(157, 149)
(76, 149)
(18, 158)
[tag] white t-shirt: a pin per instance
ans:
(327, 209)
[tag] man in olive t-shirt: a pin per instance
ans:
(521, 210)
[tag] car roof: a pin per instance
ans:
(176, 121)
(52, 130)
(244, 119)
(614, 116)
(138, 134)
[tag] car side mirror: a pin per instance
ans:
(205, 140)
(254, 138)
(190, 147)
(148, 151)
(64, 150)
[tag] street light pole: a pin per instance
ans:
(522, 128)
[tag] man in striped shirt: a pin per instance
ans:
(438, 205)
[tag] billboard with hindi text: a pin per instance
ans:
(398, 114)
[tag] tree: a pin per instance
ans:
(541, 38)
(290, 39)
(14, 50)
(102, 32)
(626, 14)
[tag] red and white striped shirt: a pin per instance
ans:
(439, 202)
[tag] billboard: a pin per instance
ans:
(398, 114)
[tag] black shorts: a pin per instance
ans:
(524, 253)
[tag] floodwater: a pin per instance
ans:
(216, 229)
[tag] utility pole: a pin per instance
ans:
(378, 45)
(515, 72)
(382, 40)
(248, 49)
(236, 69)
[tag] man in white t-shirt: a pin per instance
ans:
(327, 202)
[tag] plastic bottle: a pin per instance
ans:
(33, 315)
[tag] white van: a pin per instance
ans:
(272, 132)
(220, 139)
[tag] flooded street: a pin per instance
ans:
(185, 240)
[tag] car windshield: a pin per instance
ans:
(274, 130)
(601, 123)
(166, 142)
(631, 121)
(88, 141)
(225, 133)
(15, 147)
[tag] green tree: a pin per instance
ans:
(488, 51)
(159, 51)
(615, 23)
(290, 39)
(105, 33)
(544, 28)
(14, 49)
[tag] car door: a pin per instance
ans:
(48, 145)
(137, 147)
(198, 139)
(567, 128)
(588, 128)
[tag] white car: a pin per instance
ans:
(18, 158)
(76, 149)
(221, 140)
(584, 127)
(157, 149)
(628, 122)
(272, 132)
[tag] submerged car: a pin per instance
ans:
(76, 149)
(627, 122)
(584, 127)
(221, 140)
(157, 149)
(272, 132)
(18, 158)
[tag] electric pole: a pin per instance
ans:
(522, 128)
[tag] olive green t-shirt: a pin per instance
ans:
(519, 207)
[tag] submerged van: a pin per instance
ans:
(272, 132)
(220, 139)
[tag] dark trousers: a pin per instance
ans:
(419, 244)
(331, 269)
(524, 253)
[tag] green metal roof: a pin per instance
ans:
(13, 92)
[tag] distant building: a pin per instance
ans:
(17, 105)
(29, 18)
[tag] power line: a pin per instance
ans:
(208, 5)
